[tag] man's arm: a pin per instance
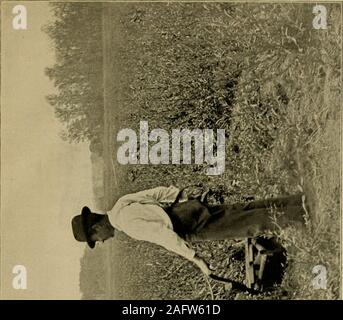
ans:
(169, 194)
(165, 194)
(160, 234)
(158, 194)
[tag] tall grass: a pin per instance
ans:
(262, 73)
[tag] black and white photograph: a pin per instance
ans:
(171, 150)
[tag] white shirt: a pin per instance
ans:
(141, 216)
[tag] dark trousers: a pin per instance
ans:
(195, 221)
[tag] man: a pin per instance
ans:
(142, 216)
(168, 217)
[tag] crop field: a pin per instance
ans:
(273, 82)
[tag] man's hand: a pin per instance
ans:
(202, 265)
(194, 192)
(183, 196)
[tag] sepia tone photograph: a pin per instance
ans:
(171, 150)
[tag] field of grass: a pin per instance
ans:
(262, 73)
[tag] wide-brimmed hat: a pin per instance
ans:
(81, 225)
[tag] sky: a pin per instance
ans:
(44, 180)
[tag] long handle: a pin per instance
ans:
(235, 284)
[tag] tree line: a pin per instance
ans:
(76, 35)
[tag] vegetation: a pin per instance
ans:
(77, 73)
(262, 73)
